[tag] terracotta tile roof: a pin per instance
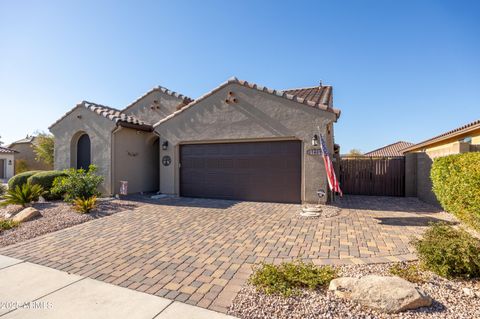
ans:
(112, 114)
(318, 94)
(28, 139)
(455, 132)
(182, 97)
(392, 150)
(316, 104)
(4, 150)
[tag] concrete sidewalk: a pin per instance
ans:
(32, 291)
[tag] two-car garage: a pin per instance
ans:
(255, 171)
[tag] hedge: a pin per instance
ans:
(45, 179)
(456, 184)
(20, 179)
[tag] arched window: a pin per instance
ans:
(83, 152)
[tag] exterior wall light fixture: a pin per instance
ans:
(9, 162)
(165, 145)
(315, 140)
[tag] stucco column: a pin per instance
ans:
(411, 175)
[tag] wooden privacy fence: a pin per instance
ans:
(381, 176)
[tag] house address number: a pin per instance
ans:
(314, 151)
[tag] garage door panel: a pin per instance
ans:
(257, 171)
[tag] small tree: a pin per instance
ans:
(1, 143)
(355, 152)
(43, 148)
(21, 166)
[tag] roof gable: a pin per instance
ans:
(282, 94)
(180, 97)
(110, 113)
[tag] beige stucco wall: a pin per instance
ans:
(256, 116)
(9, 165)
(99, 129)
(419, 164)
(26, 153)
(147, 110)
(135, 160)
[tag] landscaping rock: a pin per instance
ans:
(388, 294)
(27, 214)
(469, 292)
(342, 287)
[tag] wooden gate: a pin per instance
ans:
(380, 176)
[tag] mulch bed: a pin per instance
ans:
(450, 300)
(58, 215)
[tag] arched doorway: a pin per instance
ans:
(83, 152)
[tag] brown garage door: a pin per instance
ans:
(259, 171)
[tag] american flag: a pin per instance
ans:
(332, 179)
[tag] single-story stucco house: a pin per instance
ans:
(239, 141)
(26, 154)
(419, 158)
(7, 163)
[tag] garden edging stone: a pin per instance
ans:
(27, 214)
(384, 293)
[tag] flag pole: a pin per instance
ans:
(321, 137)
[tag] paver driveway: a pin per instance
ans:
(201, 251)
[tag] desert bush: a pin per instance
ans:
(24, 195)
(3, 190)
(449, 252)
(21, 166)
(20, 179)
(456, 184)
(410, 272)
(45, 179)
(85, 205)
(289, 278)
(77, 183)
(7, 224)
(44, 148)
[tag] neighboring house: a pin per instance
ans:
(26, 156)
(240, 141)
(419, 157)
(391, 150)
(7, 163)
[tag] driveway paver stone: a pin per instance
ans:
(201, 251)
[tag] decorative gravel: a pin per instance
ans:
(452, 299)
(58, 215)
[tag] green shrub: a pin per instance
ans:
(78, 183)
(288, 279)
(410, 272)
(449, 252)
(3, 190)
(24, 195)
(45, 179)
(85, 205)
(20, 179)
(456, 184)
(7, 224)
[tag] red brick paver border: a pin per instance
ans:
(201, 251)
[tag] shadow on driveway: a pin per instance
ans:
(183, 201)
(411, 221)
(386, 203)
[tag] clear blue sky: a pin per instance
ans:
(401, 70)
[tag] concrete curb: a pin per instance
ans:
(32, 291)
